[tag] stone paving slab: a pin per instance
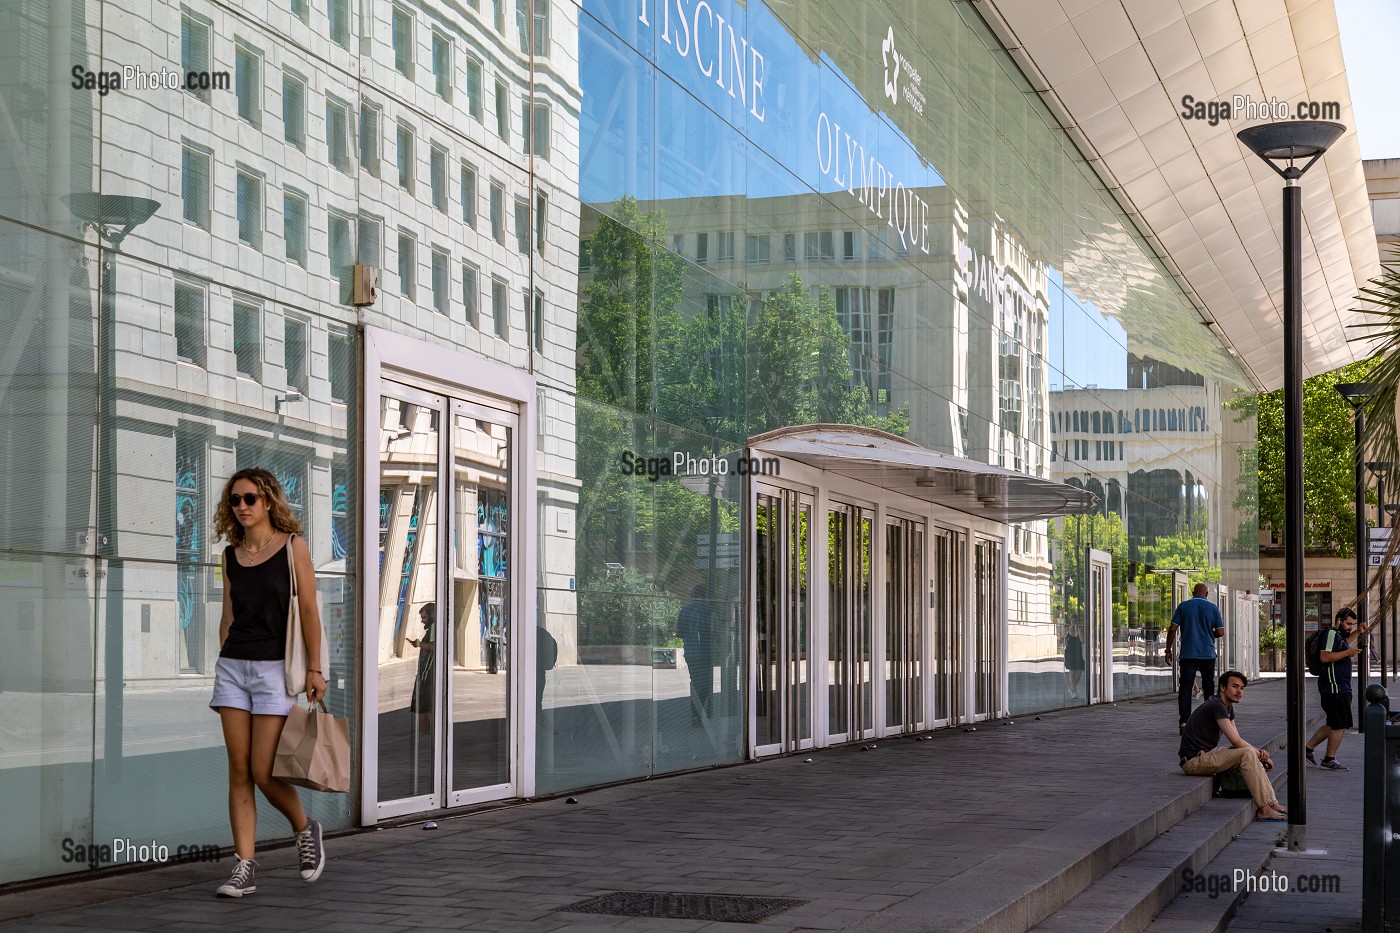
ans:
(887, 840)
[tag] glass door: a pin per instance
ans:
(850, 668)
(782, 678)
(409, 752)
(479, 691)
(1100, 626)
(444, 616)
(987, 699)
(904, 625)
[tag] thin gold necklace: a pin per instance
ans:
(255, 551)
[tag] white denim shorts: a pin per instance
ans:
(260, 687)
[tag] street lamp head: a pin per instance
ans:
(1380, 467)
(113, 216)
(1356, 392)
(1281, 145)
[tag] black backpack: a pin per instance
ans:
(1313, 649)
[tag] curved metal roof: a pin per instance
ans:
(895, 463)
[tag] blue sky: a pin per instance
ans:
(1370, 33)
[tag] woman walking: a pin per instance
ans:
(250, 692)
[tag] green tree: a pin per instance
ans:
(1329, 459)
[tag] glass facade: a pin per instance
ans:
(700, 223)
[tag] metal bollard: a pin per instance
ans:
(1375, 822)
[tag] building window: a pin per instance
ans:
(474, 102)
(541, 216)
(678, 244)
(498, 15)
(471, 292)
(756, 248)
(539, 321)
(369, 232)
(250, 219)
(294, 226)
(338, 134)
(339, 13)
(408, 266)
(342, 253)
(469, 195)
(189, 323)
(522, 226)
(404, 154)
(789, 247)
(809, 247)
(296, 353)
(522, 24)
(440, 282)
(724, 247)
(247, 339)
(301, 9)
(541, 28)
(401, 30)
(442, 66)
(702, 248)
(534, 129)
(294, 109)
(498, 308)
(502, 111)
(585, 261)
(194, 49)
(850, 246)
(498, 209)
(340, 365)
(247, 83)
(828, 246)
(196, 177)
(437, 177)
(369, 138)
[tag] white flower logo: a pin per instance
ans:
(887, 52)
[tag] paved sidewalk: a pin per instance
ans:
(1334, 850)
(927, 835)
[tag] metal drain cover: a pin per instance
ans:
(724, 907)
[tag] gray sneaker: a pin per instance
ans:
(310, 852)
(1332, 764)
(242, 881)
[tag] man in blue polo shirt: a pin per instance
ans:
(1200, 625)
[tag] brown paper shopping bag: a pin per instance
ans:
(314, 751)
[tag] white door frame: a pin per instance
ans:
(1100, 680)
(439, 370)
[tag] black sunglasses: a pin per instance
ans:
(248, 498)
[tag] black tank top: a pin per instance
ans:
(261, 596)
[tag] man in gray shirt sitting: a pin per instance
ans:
(1201, 734)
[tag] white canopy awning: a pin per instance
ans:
(889, 462)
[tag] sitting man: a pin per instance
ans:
(1200, 757)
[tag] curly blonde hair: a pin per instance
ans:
(227, 528)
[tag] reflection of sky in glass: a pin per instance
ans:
(701, 122)
(1087, 347)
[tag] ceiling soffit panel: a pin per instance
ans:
(1113, 74)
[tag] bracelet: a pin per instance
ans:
(313, 670)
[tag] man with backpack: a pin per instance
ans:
(1329, 656)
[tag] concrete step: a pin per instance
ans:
(1199, 911)
(1129, 896)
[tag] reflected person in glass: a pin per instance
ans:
(423, 685)
(250, 684)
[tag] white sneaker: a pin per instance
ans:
(242, 881)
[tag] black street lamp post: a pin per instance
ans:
(112, 216)
(1281, 145)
